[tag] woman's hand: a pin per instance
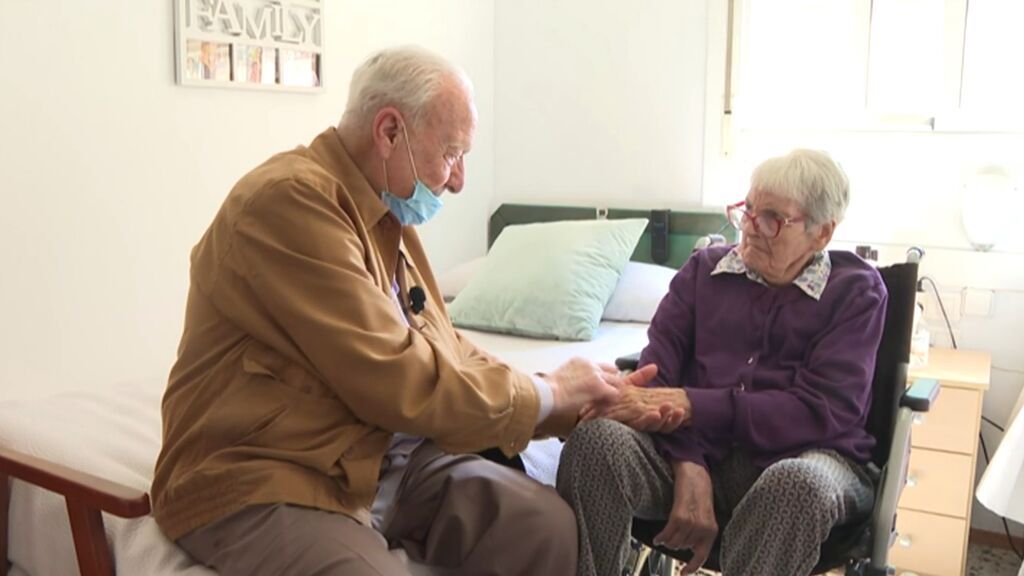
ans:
(579, 386)
(691, 524)
(645, 409)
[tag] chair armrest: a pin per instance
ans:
(629, 362)
(93, 491)
(920, 395)
(85, 495)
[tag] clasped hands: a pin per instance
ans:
(600, 391)
(644, 409)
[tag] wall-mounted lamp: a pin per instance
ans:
(988, 206)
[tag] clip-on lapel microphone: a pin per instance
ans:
(417, 299)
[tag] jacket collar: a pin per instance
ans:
(330, 153)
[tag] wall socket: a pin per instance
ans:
(959, 303)
(951, 299)
(978, 302)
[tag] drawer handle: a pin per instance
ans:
(905, 541)
(911, 480)
(918, 419)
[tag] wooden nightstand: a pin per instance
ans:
(934, 517)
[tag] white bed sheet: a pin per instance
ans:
(115, 433)
(612, 339)
(110, 432)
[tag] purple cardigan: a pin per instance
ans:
(769, 370)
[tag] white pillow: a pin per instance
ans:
(635, 299)
(548, 280)
(453, 280)
(638, 293)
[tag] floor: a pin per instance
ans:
(981, 561)
(986, 561)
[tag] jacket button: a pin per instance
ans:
(750, 360)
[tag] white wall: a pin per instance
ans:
(109, 172)
(599, 102)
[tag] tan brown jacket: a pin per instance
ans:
(295, 367)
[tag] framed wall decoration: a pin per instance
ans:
(253, 44)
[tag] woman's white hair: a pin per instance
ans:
(407, 78)
(810, 177)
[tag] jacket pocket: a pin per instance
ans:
(314, 427)
(360, 464)
(261, 360)
(261, 426)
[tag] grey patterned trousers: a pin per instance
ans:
(773, 521)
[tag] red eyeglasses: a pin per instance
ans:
(767, 223)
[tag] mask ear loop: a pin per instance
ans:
(408, 148)
(384, 165)
(387, 187)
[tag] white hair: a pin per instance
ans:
(407, 78)
(810, 177)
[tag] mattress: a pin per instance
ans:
(115, 433)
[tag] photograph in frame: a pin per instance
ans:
(207, 61)
(299, 68)
(254, 64)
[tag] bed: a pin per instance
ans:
(100, 445)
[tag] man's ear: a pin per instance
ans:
(824, 235)
(387, 128)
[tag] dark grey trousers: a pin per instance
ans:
(459, 512)
(772, 522)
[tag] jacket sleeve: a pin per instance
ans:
(830, 393)
(302, 257)
(670, 347)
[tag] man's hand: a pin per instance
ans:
(646, 409)
(691, 524)
(579, 383)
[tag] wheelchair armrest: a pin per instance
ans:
(917, 398)
(629, 362)
(920, 395)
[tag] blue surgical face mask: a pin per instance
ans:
(418, 208)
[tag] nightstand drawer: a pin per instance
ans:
(951, 424)
(938, 482)
(928, 544)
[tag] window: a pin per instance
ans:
(913, 97)
(877, 64)
(993, 78)
(907, 60)
(800, 59)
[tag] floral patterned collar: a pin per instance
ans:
(812, 280)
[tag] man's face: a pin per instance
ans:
(439, 144)
(784, 255)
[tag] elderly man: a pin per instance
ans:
(322, 406)
(766, 350)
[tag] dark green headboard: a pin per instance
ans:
(684, 229)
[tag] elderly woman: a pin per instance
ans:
(765, 355)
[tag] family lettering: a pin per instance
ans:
(297, 24)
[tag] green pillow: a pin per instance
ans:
(548, 280)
